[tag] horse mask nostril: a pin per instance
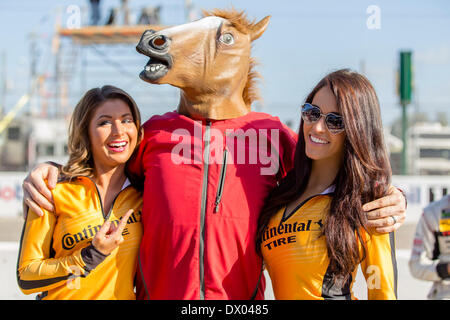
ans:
(159, 42)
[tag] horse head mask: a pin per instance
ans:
(209, 60)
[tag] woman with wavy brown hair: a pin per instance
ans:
(88, 247)
(312, 232)
(80, 154)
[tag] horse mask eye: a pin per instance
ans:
(227, 38)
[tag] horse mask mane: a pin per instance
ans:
(209, 60)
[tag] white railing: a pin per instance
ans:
(420, 191)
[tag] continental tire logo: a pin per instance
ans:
(69, 240)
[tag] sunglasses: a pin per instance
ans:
(333, 121)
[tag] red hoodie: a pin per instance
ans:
(205, 185)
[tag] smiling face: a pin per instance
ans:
(112, 135)
(320, 144)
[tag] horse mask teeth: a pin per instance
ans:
(160, 61)
(154, 69)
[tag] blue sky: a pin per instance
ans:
(304, 41)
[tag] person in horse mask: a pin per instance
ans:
(207, 166)
(312, 232)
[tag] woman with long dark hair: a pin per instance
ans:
(312, 232)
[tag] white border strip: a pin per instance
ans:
(9, 246)
(403, 254)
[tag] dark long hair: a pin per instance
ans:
(364, 176)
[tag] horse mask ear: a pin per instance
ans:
(259, 28)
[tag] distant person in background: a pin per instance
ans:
(150, 15)
(126, 12)
(88, 247)
(119, 16)
(430, 256)
(95, 12)
(312, 232)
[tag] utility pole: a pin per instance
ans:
(405, 92)
(33, 71)
(56, 50)
(189, 11)
(362, 66)
(4, 85)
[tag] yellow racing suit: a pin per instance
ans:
(295, 255)
(56, 256)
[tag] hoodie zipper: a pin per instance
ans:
(203, 209)
(223, 174)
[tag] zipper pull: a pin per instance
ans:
(216, 206)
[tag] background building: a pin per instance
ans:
(429, 149)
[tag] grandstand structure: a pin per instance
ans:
(80, 56)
